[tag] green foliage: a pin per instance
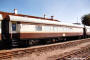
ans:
(86, 20)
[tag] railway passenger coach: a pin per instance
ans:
(24, 30)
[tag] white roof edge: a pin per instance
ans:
(26, 19)
(1, 18)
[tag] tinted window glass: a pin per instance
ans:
(39, 28)
(13, 27)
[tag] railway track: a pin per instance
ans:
(48, 52)
(80, 54)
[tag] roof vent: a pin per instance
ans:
(15, 11)
(44, 16)
(52, 17)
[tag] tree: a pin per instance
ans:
(85, 22)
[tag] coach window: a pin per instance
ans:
(13, 26)
(38, 28)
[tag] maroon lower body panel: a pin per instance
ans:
(39, 35)
(74, 34)
(43, 35)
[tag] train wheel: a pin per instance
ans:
(54, 40)
(31, 42)
(65, 39)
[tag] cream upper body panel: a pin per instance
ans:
(0, 27)
(1, 18)
(26, 28)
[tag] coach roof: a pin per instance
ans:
(22, 15)
(42, 21)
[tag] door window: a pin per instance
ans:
(14, 27)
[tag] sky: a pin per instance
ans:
(69, 11)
